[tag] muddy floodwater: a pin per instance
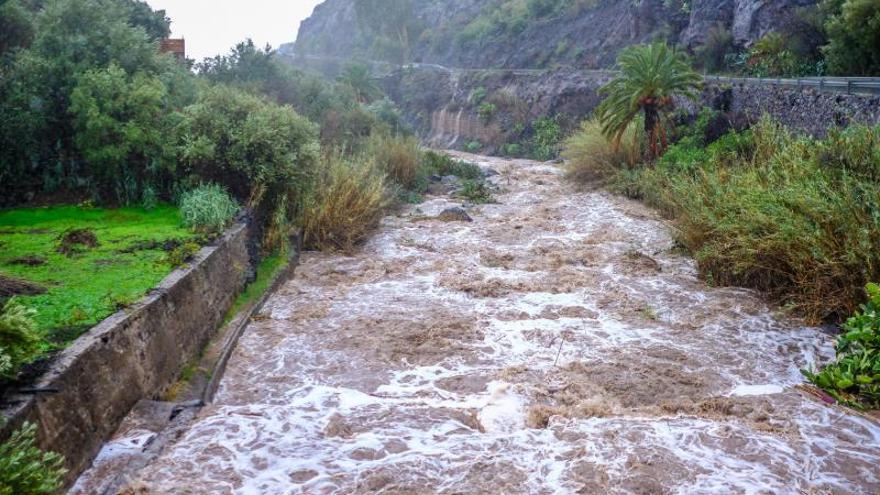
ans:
(557, 344)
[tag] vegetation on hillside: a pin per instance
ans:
(832, 37)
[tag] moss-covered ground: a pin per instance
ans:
(89, 284)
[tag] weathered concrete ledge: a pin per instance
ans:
(134, 354)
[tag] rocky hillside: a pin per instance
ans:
(526, 33)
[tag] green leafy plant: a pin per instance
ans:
(854, 378)
(360, 81)
(399, 157)
(511, 149)
(853, 28)
(473, 146)
(19, 340)
(441, 164)
(207, 208)
(263, 153)
(486, 111)
(650, 78)
(547, 134)
(477, 95)
(590, 156)
(25, 469)
(476, 191)
(794, 217)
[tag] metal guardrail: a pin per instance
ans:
(848, 85)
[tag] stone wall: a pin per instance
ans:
(807, 110)
(439, 103)
(134, 354)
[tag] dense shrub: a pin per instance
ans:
(345, 204)
(796, 218)
(853, 29)
(855, 377)
(441, 164)
(25, 469)
(207, 208)
(125, 129)
(265, 154)
(545, 140)
(19, 340)
(590, 156)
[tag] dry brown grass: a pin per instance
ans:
(590, 156)
(399, 157)
(346, 203)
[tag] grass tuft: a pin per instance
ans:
(346, 203)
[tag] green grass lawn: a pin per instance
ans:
(92, 283)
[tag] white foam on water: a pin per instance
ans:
(316, 404)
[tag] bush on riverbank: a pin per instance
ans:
(348, 199)
(854, 378)
(591, 157)
(25, 469)
(794, 217)
(207, 208)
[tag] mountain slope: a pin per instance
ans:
(525, 33)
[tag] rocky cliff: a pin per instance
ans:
(524, 34)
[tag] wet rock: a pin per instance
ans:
(17, 287)
(435, 178)
(454, 215)
(439, 189)
(337, 428)
(490, 172)
(450, 180)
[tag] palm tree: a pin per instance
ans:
(358, 78)
(650, 78)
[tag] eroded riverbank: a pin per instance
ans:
(557, 344)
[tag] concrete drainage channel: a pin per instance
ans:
(153, 425)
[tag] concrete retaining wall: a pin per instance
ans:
(132, 355)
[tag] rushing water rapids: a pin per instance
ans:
(557, 344)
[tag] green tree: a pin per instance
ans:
(124, 128)
(71, 37)
(853, 29)
(650, 78)
(16, 27)
(264, 153)
(155, 23)
(358, 78)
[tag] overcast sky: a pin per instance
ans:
(212, 27)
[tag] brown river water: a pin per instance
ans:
(557, 344)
